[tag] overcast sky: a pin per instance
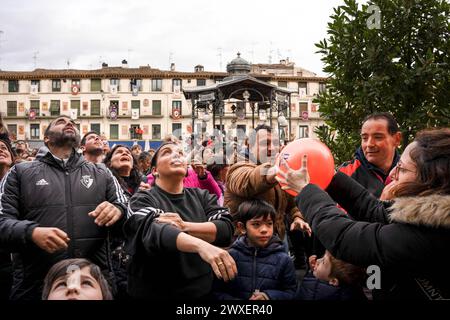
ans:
(155, 33)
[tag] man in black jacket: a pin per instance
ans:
(57, 207)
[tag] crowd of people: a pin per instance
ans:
(81, 220)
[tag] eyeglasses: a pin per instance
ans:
(399, 168)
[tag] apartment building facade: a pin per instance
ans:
(137, 104)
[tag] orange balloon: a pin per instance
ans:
(320, 161)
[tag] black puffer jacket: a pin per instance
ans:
(46, 193)
(408, 239)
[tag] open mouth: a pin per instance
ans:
(176, 162)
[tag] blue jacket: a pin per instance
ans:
(270, 270)
(315, 289)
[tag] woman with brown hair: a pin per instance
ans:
(408, 238)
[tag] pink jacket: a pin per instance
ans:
(192, 181)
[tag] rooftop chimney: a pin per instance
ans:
(124, 63)
(104, 65)
(172, 66)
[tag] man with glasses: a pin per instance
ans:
(378, 155)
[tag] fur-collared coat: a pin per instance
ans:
(409, 239)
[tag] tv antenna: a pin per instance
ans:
(35, 56)
(1, 33)
(219, 54)
(270, 53)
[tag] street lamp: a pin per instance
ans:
(282, 122)
(206, 116)
(246, 95)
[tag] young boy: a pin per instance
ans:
(332, 279)
(265, 271)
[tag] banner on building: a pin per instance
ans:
(135, 90)
(302, 92)
(73, 114)
(75, 89)
(134, 114)
(113, 112)
(32, 114)
(113, 88)
(305, 115)
(34, 89)
(176, 112)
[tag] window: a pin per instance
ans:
(95, 127)
(56, 85)
(135, 132)
(13, 86)
(34, 131)
(177, 105)
(96, 84)
(303, 132)
(12, 108)
(201, 82)
(76, 82)
(303, 88)
(176, 130)
(176, 85)
(137, 83)
(135, 104)
(34, 105)
(114, 131)
(36, 83)
(156, 107)
(322, 87)
(156, 131)
(156, 84)
(115, 82)
(95, 107)
(282, 84)
(303, 107)
(12, 129)
(55, 108)
(75, 104)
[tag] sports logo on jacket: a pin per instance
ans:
(42, 182)
(87, 181)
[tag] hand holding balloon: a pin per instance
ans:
(291, 179)
(319, 164)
